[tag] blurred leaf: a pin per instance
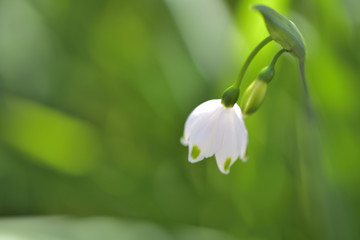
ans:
(49, 136)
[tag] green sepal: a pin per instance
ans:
(253, 97)
(230, 96)
(283, 31)
(267, 74)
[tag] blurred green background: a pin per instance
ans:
(93, 100)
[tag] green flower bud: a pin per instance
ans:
(283, 31)
(253, 97)
(230, 96)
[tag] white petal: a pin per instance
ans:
(204, 136)
(195, 153)
(241, 132)
(198, 115)
(227, 153)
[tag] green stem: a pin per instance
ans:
(249, 59)
(276, 57)
(303, 78)
(308, 104)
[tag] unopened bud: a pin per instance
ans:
(253, 97)
(283, 31)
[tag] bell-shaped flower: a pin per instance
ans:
(213, 129)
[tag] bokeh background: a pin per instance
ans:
(93, 100)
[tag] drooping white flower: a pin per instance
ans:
(212, 128)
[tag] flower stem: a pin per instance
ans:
(249, 59)
(303, 78)
(276, 57)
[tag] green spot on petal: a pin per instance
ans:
(227, 164)
(195, 152)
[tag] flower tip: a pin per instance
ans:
(261, 8)
(224, 167)
(227, 164)
(224, 171)
(183, 141)
(245, 158)
(195, 154)
(257, 6)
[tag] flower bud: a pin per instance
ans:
(230, 96)
(253, 97)
(283, 31)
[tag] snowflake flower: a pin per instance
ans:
(213, 129)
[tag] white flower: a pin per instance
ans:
(212, 129)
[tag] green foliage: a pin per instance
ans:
(93, 100)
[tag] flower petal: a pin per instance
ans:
(241, 133)
(204, 136)
(233, 140)
(197, 116)
(227, 153)
(195, 154)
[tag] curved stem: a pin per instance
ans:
(276, 57)
(249, 59)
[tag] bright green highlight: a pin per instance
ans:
(195, 152)
(49, 137)
(227, 164)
